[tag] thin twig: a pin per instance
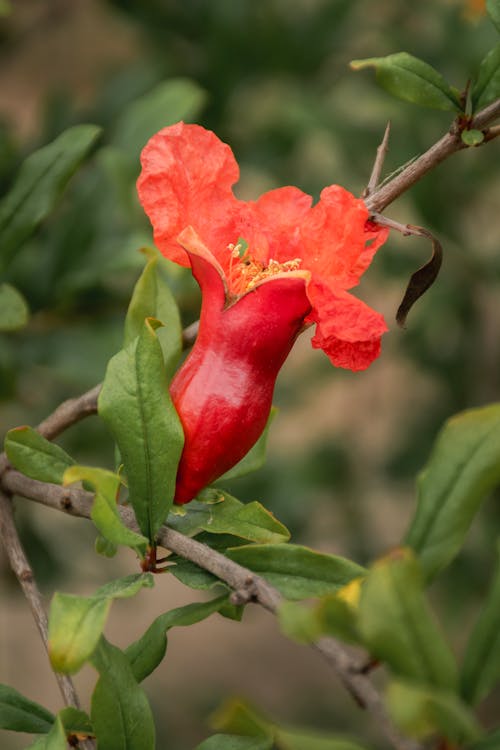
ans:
(78, 502)
(449, 144)
(379, 163)
(24, 574)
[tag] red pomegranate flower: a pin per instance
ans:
(266, 269)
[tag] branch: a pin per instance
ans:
(449, 144)
(246, 585)
(24, 574)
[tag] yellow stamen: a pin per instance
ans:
(247, 272)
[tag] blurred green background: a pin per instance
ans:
(271, 78)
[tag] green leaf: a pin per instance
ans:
(329, 616)
(171, 101)
(191, 575)
(481, 665)
(493, 8)
(299, 623)
(237, 717)
(19, 714)
(487, 87)
(297, 572)
(423, 711)
(35, 456)
(472, 137)
(76, 622)
(146, 653)
(120, 712)
(104, 547)
(104, 511)
(39, 185)
(397, 627)
(14, 310)
(255, 458)
(413, 80)
(225, 514)
(76, 721)
(337, 618)
(54, 740)
(135, 404)
(464, 466)
(152, 298)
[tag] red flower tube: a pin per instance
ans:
(299, 263)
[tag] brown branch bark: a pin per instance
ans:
(24, 574)
(449, 144)
(246, 584)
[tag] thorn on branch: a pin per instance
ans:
(378, 164)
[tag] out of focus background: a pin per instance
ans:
(270, 77)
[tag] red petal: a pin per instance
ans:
(347, 330)
(186, 180)
(274, 224)
(334, 237)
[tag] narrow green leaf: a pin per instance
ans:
(413, 80)
(39, 185)
(487, 86)
(35, 456)
(19, 714)
(14, 310)
(421, 712)
(76, 622)
(464, 466)
(255, 458)
(146, 653)
(297, 572)
(481, 666)
(171, 101)
(152, 298)
(54, 740)
(235, 742)
(136, 405)
(120, 712)
(493, 8)
(104, 511)
(225, 514)
(397, 627)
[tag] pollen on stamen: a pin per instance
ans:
(247, 272)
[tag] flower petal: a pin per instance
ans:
(274, 224)
(334, 237)
(186, 179)
(347, 330)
